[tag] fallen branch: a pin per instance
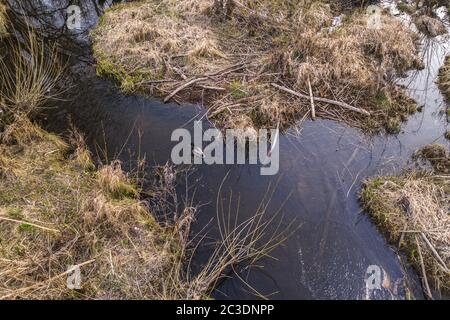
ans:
(29, 223)
(227, 70)
(324, 100)
(212, 88)
(187, 84)
(435, 253)
(45, 282)
(424, 272)
(313, 108)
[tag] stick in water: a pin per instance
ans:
(313, 108)
(337, 103)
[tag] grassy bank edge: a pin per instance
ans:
(389, 107)
(409, 206)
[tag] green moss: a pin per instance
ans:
(237, 90)
(25, 227)
(124, 190)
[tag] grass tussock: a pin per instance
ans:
(30, 73)
(431, 26)
(228, 54)
(413, 210)
(444, 78)
(54, 213)
(437, 155)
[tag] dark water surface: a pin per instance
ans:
(321, 170)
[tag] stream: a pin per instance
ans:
(322, 166)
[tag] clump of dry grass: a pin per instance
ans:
(155, 34)
(430, 26)
(437, 155)
(30, 73)
(444, 78)
(228, 57)
(413, 209)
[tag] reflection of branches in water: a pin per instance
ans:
(421, 83)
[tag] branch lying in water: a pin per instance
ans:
(337, 103)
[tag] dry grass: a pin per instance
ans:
(444, 78)
(228, 57)
(55, 213)
(430, 26)
(242, 242)
(3, 21)
(437, 155)
(413, 209)
(57, 210)
(30, 73)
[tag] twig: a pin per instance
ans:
(29, 223)
(235, 67)
(179, 72)
(212, 88)
(402, 235)
(425, 280)
(337, 103)
(433, 250)
(313, 109)
(46, 282)
(157, 81)
(187, 84)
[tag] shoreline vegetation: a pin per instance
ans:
(444, 86)
(59, 211)
(257, 65)
(251, 66)
(413, 210)
(444, 79)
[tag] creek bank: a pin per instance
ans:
(57, 211)
(228, 58)
(60, 213)
(444, 80)
(413, 210)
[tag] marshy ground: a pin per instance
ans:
(250, 65)
(60, 209)
(258, 65)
